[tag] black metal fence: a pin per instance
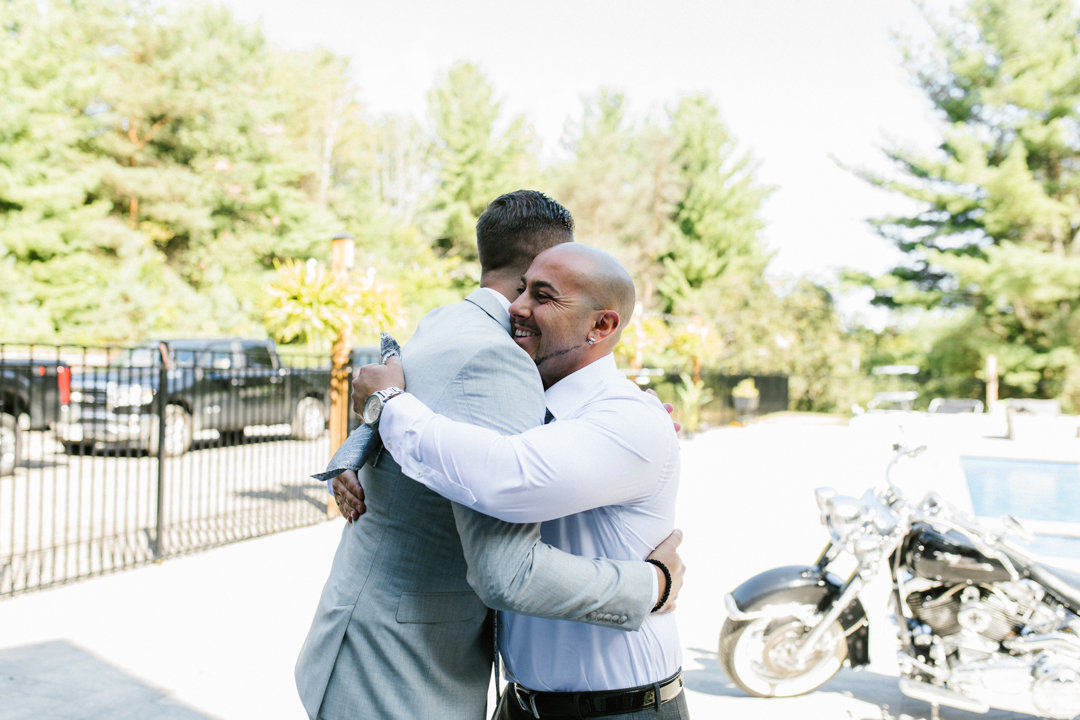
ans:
(116, 457)
(719, 405)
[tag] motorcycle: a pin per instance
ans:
(981, 622)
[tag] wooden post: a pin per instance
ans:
(341, 260)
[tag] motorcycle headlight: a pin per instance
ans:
(842, 515)
(125, 395)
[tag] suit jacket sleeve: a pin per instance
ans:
(509, 567)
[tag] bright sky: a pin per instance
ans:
(798, 82)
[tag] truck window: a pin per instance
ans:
(258, 356)
(141, 357)
(184, 358)
(218, 356)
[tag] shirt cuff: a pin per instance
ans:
(400, 414)
(655, 585)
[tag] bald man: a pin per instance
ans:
(601, 477)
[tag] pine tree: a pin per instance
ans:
(621, 184)
(477, 159)
(995, 236)
(146, 179)
(717, 216)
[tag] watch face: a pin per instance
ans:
(372, 409)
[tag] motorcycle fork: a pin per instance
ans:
(851, 589)
(828, 554)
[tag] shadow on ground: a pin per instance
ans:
(61, 681)
(865, 685)
(311, 493)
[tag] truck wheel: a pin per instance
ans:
(178, 432)
(309, 420)
(9, 443)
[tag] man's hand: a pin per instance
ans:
(370, 378)
(666, 552)
(667, 406)
(349, 495)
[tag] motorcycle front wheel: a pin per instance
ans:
(760, 655)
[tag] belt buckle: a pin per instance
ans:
(531, 707)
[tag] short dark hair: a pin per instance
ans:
(518, 226)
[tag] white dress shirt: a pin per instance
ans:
(602, 478)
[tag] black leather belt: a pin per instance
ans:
(594, 704)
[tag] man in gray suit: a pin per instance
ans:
(402, 629)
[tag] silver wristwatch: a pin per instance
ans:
(373, 406)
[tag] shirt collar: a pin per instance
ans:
(580, 386)
(503, 302)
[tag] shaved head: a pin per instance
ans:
(574, 302)
(599, 276)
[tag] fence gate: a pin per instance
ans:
(85, 494)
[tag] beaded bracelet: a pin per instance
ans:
(667, 587)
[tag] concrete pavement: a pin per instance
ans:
(215, 635)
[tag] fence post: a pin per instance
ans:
(159, 537)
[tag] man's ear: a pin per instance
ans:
(606, 323)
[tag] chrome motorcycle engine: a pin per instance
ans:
(964, 609)
(1006, 645)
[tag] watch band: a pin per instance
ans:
(387, 393)
(373, 407)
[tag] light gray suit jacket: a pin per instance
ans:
(402, 629)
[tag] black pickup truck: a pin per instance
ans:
(31, 392)
(211, 387)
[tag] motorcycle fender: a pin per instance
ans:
(802, 585)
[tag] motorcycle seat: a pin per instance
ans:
(1064, 584)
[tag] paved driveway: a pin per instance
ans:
(214, 635)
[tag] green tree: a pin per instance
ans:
(678, 204)
(477, 158)
(593, 183)
(717, 216)
(994, 235)
(714, 264)
(390, 219)
(821, 359)
(66, 218)
(201, 160)
(154, 165)
(42, 203)
(622, 184)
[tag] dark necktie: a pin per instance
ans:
(548, 417)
